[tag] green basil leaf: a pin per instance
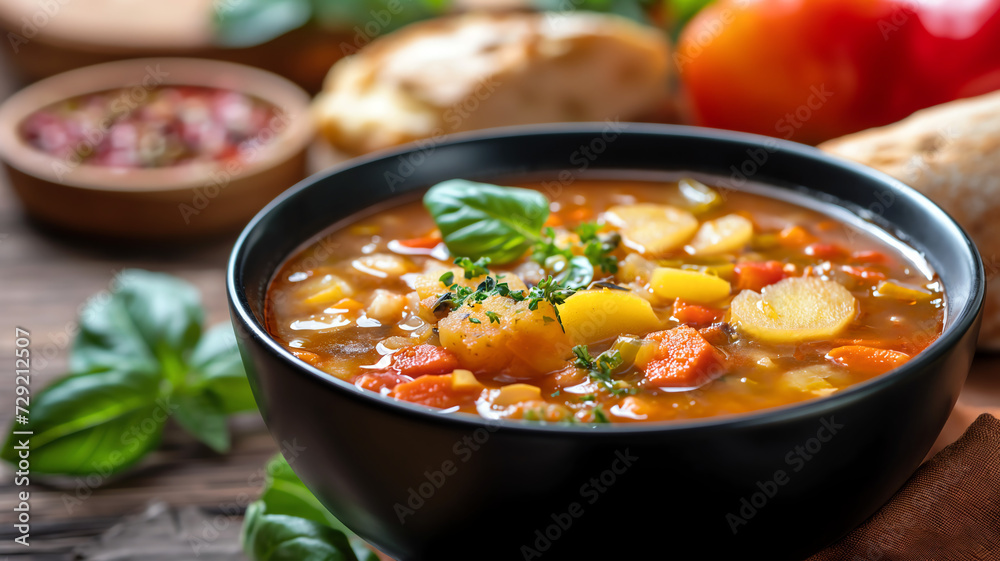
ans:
(284, 493)
(101, 423)
(479, 220)
(203, 417)
(577, 274)
(279, 537)
(149, 322)
(242, 23)
(217, 364)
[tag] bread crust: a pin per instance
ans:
(481, 70)
(951, 153)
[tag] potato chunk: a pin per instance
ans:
(510, 335)
(595, 315)
(429, 284)
(793, 310)
(727, 234)
(652, 228)
(692, 286)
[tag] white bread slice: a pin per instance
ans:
(481, 70)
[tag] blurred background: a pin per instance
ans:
(141, 134)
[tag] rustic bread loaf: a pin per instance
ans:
(951, 153)
(481, 70)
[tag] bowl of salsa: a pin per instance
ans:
(154, 148)
(501, 346)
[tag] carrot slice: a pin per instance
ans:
(378, 381)
(755, 275)
(684, 358)
(423, 360)
(425, 242)
(795, 236)
(826, 251)
(867, 360)
(434, 391)
(694, 314)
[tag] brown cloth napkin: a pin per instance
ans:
(948, 510)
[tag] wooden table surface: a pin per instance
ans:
(45, 276)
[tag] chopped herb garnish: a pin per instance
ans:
(475, 268)
(494, 317)
(599, 416)
(474, 320)
(448, 278)
(554, 394)
(598, 248)
(600, 369)
(546, 248)
(588, 397)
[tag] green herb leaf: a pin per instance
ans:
(204, 418)
(148, 323)
(279, 537)
(243, 23)
(479, 220)
(448, 278)
(472, 268)
(600, 416)
(494, 317)
(602, 368)
(577, 273)
(474, 320)
(285, 495)
(100, 422)
(219, 370)
(137, 360)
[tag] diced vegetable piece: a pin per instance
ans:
(795, 236)
(533, 337)
(347, 304)
(427, 242)
(386, 306)
(517, 393)
(635, 351)
(635, 268)
(594, 315)
(693, 286)
(701, 197)
(378, 381)
(867, 360)
(900, 291)
(727, 234)
(383, 265)
(462, 380)
(423, 360)
(306, 356)
(810, 379)
(324, 290)
(755, 275)
(718, 334)
(686, 312)
(683, 359)
(870, 257)
(429, 284)
(434, 391)
(863, 273)
(652, 228)
(795, 309)
(826, 251)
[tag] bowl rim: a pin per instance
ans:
(965, 318)
(293, 136)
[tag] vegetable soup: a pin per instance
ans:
(617, 301)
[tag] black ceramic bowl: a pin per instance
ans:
(778, 483)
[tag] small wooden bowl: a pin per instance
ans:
(179, 202)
